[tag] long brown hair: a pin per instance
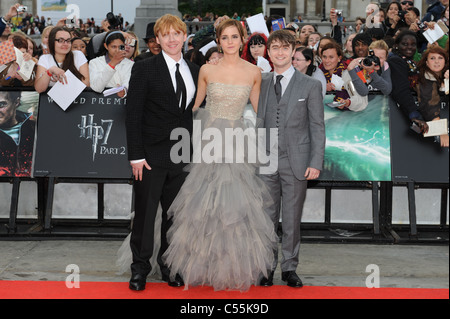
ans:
(423, 67)
(229, 23)
(68, 63)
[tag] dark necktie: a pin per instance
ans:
(278, 88)
(181, 89)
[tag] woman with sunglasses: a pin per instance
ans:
(111, 68)
(53, 66)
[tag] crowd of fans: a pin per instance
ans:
(388, 53)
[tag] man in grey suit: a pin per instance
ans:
(292, 103)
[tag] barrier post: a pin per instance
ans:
(12, 227)
(412, 209)
(49, 204)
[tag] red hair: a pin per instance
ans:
(255, 38)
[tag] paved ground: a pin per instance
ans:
(408, 266)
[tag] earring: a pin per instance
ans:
(219, 48)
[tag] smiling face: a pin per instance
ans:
(330, 59)
(153, 46)
(392, 10)
(171, 42)
(407, 46)
(361, 49)
(281, 55)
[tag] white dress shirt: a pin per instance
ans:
(187, 78)
(287, 75)
(185, 73)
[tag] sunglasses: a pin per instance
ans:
(407, 2)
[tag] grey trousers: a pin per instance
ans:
(289, 194)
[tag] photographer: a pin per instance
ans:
(372, 72)
(111, 68)
(395, 18)
(111, 22)
(4, 21)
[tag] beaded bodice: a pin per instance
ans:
(227, 100)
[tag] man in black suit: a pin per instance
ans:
(160, 99)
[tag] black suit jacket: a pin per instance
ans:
(153, 112)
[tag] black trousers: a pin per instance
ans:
(157, 185)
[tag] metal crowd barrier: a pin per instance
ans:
(381, 230)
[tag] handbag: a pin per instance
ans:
(7, 53)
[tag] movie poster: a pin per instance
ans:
(357, 143)
(18, 114)
(88, 140)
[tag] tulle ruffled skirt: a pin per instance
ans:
(221, 236)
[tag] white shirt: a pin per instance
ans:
(47, 61)
(102, 76)
(187, 78)
(185, 73)
(287, 75)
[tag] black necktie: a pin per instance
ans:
(278, 88)
(181, 89)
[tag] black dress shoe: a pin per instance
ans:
(267, 282)
(137, 282)
(292, 279)
(177, 282)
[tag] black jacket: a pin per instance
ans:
(153, 112)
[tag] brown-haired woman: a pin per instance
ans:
(433, 101)
(214, 239)
(52, 67)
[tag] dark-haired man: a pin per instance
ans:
(292, 103)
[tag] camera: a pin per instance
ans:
(371, 58)
(122, 47)
(422, 26)
(402, 14)
(22, 9)
(114, 21)
(338, 12)
(71, 23)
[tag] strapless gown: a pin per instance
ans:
(221, 236)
